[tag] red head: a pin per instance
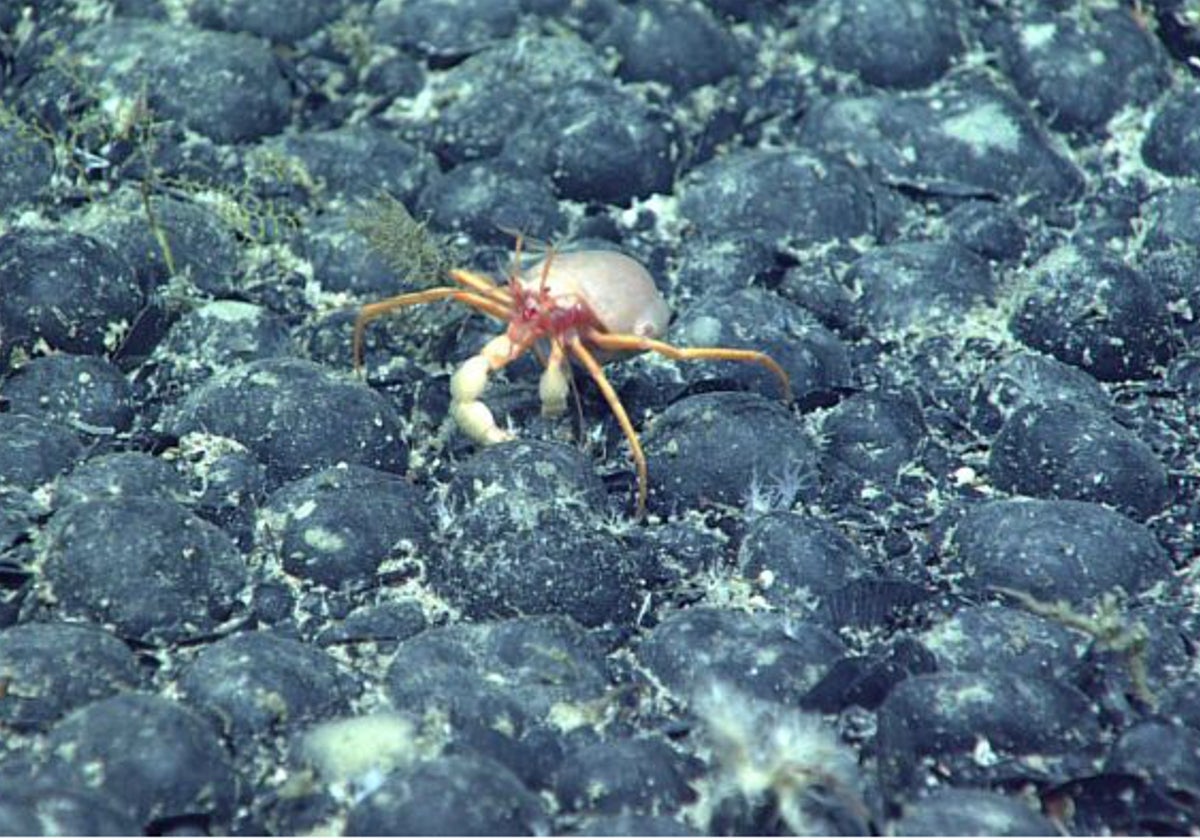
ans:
(539, 310)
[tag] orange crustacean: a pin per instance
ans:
(586, 306)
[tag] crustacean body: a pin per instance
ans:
(586, 306)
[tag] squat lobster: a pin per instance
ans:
(570, 305)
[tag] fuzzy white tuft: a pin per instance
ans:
(773, 764)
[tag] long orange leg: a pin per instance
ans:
(629, 342)
(482, 285)
(585, 357)
(375, 310)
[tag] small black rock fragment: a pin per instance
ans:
(555, 569)
(526, 539)
(296, 417)
(778, 197)
(714, 447)
(966, 812)
(678, 44)
(215, 337)
(390, 621)
(1032, 379)
(1176, 273)
(444, 29)
(630, 775)
(721, 264)
(1088, 308)
(227, 488)
(499, 683)
(493, 94)
(943, 717)
(52, 668)
(256, 683)
(910, 285)
(992, 637)
(1162, 752)
(185, 73)
(771, 656)
(597, 142)
(281, 21)
(489, 199)
(1052, 550)
(465, 795)
(19, 509)
(44, 809)
(344, 259)
(145, 565)
(875, 435)
(502, 487)
(539, 661)
(26, 165)
(70, 290)
(889, 43)
(793, 558)
(1067, 451)
(34, 450)
(1172, 145)
(202, 245)
(153, 758)
(970, 140)
(338, 526)
(87, 393)
(993, 231)
(358, 162)
(1172, 217)
(1080, 70)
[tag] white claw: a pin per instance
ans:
(553, 389)
(477, 423)
(468, 382)
(467, 386)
